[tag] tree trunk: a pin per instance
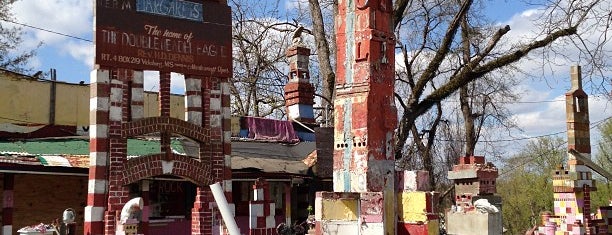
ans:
(324, 56)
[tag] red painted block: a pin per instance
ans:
(417, 229)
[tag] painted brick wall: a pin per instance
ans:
(42, 198)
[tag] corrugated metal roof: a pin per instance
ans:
(80, 146)
(265, 156)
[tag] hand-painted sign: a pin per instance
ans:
(166, 35)
(173, 8)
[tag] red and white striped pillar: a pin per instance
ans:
(262, 210)
(99, 106)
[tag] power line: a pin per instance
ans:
(47, 30)
(595, 124)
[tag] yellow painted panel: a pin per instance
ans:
(412, 206)
(151, 106)
(339, 210)
(433, 227)
(26, 101)
(72, 105)
(177, 107)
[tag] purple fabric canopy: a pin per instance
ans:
(270, 130)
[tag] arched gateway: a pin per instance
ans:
(182, 36)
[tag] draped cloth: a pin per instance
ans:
(270, 130)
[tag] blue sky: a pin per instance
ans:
(73, 58)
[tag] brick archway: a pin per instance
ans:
(165, 124)
(198, 172)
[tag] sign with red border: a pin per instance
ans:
(189, 37)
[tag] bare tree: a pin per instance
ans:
(10, 39)
(433, 27)
(448, 50)
(260, 41)
(324, 52)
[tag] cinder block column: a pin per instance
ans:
(99, 144)
(8, 203)
(262, 210)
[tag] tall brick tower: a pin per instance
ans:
(299, 93)
(364, 199)
(572, 185)
(364, 110)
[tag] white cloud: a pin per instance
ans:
(70, 17)
(81, 51)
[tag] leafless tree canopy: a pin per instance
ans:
(10, 38)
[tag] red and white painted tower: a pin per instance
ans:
(299, 93)
(365, 114)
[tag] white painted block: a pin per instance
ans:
(94, 214)
(99, 104)
(256, 210)
(98, 131)
(215, 104)
(115, 114)
(167, 166)
(98, 158)
(99, 76)
(96, 186)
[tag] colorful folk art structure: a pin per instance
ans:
(299, 93)
(573, 184)
(128, 39)
(474, 180)
(366, 197)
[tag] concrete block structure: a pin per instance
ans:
(417, 211)
(474, 179)
(351, 213)
(572, 185)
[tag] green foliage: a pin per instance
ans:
(604, 159)
(525, 184)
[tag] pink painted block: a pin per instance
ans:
(372, 207)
